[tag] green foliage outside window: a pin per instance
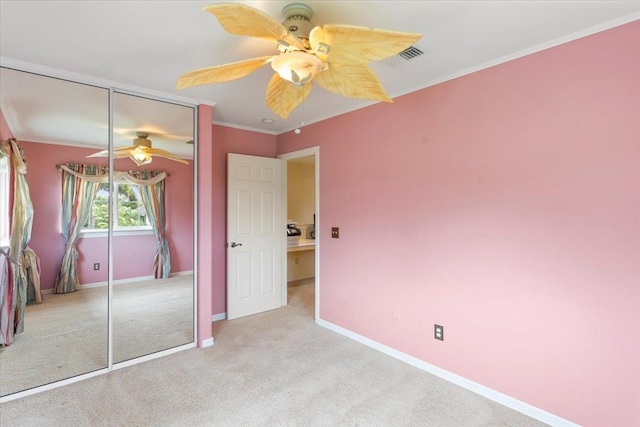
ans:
(131, 212)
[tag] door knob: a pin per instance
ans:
(234, 244)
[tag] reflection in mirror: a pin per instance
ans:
(152, 243)
(55, 122)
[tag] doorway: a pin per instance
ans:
(301, 183)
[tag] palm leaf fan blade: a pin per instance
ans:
(123, 149)
(244, 20)
(283, 97)
(350, 44)
(354, 81)
(168, 155)
(103, 153)
(222, 73)
(118, 152)
(121, 154)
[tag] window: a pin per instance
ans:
(5, 178)
(128, 209)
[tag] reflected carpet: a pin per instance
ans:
(66, 335)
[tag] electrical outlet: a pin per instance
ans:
(335, 232)
(96, 266)
(438, 332)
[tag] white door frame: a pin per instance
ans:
(311, 151)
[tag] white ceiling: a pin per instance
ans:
(56, 111)
(147, 45)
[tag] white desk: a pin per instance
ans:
(303, 245)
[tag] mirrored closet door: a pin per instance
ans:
(56, 124)
(153, 238)
(112, 227)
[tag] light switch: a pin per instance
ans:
(335, 232)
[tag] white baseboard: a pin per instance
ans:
(119, 281)
(91, 285)
(206, 343)
(181, 273)
(219, 316)
(496, 396)
(115, 282)
(98, 284)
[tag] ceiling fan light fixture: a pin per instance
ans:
(140, 157)
(297, 67)
(141, 152)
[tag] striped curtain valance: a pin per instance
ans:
(132, 177)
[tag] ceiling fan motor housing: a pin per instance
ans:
(141, 140)
(297, 20)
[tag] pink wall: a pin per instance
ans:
(503, 205)
(229, 140)
(205, 220)
(45, 187)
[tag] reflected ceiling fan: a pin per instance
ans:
(334, 56)
(140, 152)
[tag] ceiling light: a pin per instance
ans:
(140, 157)
(297, 67)
(268, 121)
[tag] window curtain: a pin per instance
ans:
(79, 188)
(19, 266)
(7, 301)
(151, 184)
(152, 195)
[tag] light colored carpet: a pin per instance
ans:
(66, 335)
(152, 315)
(273, 369)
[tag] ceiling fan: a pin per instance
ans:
(334, 56)
(140, 152)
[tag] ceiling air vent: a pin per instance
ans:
(409, 53)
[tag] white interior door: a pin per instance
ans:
(255, 235)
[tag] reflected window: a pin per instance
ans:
(128, 208)
(4, 200)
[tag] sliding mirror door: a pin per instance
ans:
(153, 235)
(63, 327)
